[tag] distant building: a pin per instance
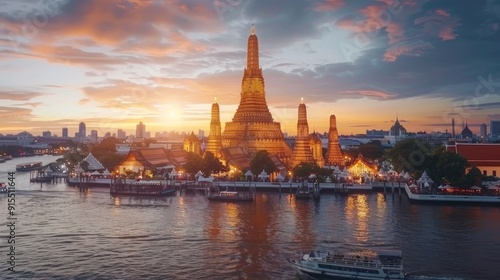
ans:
(201, 133)
(65, 132)
(483, 131)
(376, 133)
(82, 130)
(397, 129)
(147, 134)
(495, 128)
(93, 135)
(46, 134)
(466, 132)
(120, 134)
(140, 130)
(107, 135)
(192, 144)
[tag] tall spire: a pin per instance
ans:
(302, 150)
(214, 143)
(253, 69)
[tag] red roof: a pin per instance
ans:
(479, 154)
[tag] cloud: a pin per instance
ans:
(328, 5)
(439, 23)
(18, 96)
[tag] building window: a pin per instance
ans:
(484, 173)
(494, 173)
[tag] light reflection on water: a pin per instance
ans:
(67, 234)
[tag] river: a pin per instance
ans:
(62, 233)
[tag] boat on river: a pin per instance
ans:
(231, 196)
(366, 265)
(452, 198)
(29, 166)
(142, 189)
(3, 187)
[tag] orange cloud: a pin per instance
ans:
(328, 5)
(371, 93)
(439, 23)
(406, 48)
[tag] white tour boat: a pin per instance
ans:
(367, 265)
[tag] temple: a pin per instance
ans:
(252, 127)
(302, 150)
(333, 154)
(214, 143)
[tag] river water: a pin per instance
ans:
(62, 233)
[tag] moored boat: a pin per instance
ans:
(28, 166)
(3, 187)
(367, 265)
(231, 196)
(141, 189)
(452, 198)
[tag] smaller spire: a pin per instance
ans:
(302, 100)
(215, 99)
(252, 30)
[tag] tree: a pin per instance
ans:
(444, 165)
(304, 169)
(211, 164)
(194, 163)
(372, 150)
(110, 160)
(410, 155)
(262, 161)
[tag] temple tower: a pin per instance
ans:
(317, 149)
(333, 154)
(302, 151)
(252, 127)
(214, 143)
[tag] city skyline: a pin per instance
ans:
(101, 63)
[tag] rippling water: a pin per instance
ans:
(62, 233)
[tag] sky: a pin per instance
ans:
(114, 63)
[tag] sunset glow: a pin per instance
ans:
(113, 64)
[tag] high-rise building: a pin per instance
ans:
(93, 135)
(495, 128)
(201, 133)
(252, 127)
(65, 132)
(82, 130)
(483, 131)
(140, 130)
(302, 151)
(120, 134)
(46, 134)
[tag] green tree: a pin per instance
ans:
(194, 163)
(262, 161)
(372, 150)
(410, 155)
(304, 169)
(447, 166)
(110, 160)
(211, 164)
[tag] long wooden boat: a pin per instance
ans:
(231, 196)
(29, 166)
(141, 189)
(452, 198)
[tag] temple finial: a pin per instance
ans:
(252, 30)
(302, 100)
(215, 99)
